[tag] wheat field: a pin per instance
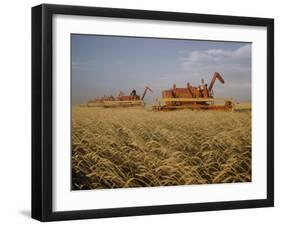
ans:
(137, 147)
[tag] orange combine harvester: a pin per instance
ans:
(122, 100)
(194, 97)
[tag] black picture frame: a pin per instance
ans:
(42, 111)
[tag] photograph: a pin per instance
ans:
(142, 111)
(150, 111)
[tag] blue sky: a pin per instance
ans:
(105, 65)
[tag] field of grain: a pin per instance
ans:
(121, 147)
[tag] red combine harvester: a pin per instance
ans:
(132, 100)
(120, 101)
(98, 102)
(194, 97)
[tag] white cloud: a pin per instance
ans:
(239, 58)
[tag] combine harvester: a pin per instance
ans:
(98, 102)
(195, 98)
(133, 100)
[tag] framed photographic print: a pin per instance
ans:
(145, 112)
